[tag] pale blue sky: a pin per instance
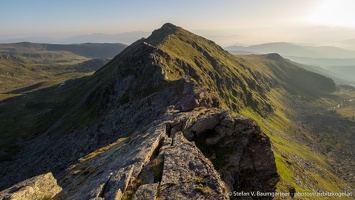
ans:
(227, 21)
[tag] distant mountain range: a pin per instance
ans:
(340, 75)
(126, 38)
(336, 63)
(350, 42)
(324, 62)
(90, 50)
(346, 72)
(288, 49)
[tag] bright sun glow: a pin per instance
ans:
(334, 13)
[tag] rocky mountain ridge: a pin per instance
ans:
(139, 88)
(130, 129)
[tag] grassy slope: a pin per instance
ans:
(193, 57)
(249, 86)
(33, 98)
(17, 71)
(300, 166)
(33, 86)
(346, 103)
(42, 65)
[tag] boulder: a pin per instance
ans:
(39, 187)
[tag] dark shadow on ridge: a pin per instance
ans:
(26, 89)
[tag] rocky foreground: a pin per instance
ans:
(172, 158)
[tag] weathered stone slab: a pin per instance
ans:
(188, 174)
(146, 192)
(39, 187)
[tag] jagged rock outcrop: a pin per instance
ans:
(187, 174)
(201, 154)
(162, 160)
(234, 145)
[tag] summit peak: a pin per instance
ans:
(169, 25)
(161, 34)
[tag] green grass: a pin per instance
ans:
(157, 165)
(132, 188)
(101, 150)
(18, 71)
(201, 185)
(279, 128)
(47, 197)
(31, 97)
(346, 100)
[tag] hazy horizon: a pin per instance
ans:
(309, 22)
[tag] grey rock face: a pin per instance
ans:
(239, 150)
(113, 172)
(39, 187)
(160, 158)
(188, 174)
(147, 191)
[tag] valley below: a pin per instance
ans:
(329, 133)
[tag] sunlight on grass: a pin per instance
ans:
(291, 156)
(101, 150)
